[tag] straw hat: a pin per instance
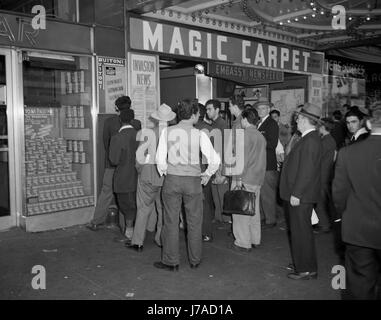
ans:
(163, 113)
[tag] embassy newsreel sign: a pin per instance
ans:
(183, 41)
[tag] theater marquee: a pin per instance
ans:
(182, 41)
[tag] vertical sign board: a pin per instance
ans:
(144, 87)
(316, 91)
(112, 82)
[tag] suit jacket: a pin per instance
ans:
(327, 161)
(111, 128)
(302, 170)
(270, 129)
(356, 192)
(122, 155)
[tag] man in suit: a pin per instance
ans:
(357, 197)
(270, 130)
(300, 189)
(106, 196)
(122, 153)
(324, 208)
(355, 121)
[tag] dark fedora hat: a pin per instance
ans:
(311, 111)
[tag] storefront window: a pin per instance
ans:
(58, 133)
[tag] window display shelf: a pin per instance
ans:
(58, 138)
(77, 134)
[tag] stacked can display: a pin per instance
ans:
(52, 185)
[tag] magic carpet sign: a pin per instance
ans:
(182, 41)
(245, 75)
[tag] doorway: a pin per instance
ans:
(7, 181)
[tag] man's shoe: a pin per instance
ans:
(254, 246)
(164, 266)
(122, 239)
(302, 275)
(93, 227)
(206, 238)
(291, 267)
(136, 247)
(194, 265)
(269, 225)
(239, 249)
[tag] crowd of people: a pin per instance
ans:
(176, 174)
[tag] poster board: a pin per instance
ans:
(286, 102)
(252, 94)
(144, 86)
(112, 82)
(316, 91)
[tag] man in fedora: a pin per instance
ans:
(270, 130)
(300, 189)
(149, 181)
(357, 197)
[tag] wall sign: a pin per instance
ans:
(112, 82)
(245, 75)
(182, 41)
(58, 36)
(144, 86)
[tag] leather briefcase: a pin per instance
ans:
(239, 201)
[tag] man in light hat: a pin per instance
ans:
(300, 189)
(149, 181)
(270, 130)
(357, 197)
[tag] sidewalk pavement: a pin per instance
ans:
(81, 264)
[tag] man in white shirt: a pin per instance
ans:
(178, 157)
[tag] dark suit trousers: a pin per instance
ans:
(363, 266)
(177, 189)
(208, 209)
(127, 204)
(268, 197)
(324, 207)
(302, 238)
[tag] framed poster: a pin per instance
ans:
(144, 86)
(252, 94)
(112, 82)
(286, 102)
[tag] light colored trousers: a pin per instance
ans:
(147, 196)
(218, 191)
(247, 229)
(105, 198)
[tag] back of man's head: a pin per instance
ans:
(238, 101)
(337, 115)
(123, 102)
(126, 115)
(186, 108)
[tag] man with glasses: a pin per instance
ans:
(106, 196)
